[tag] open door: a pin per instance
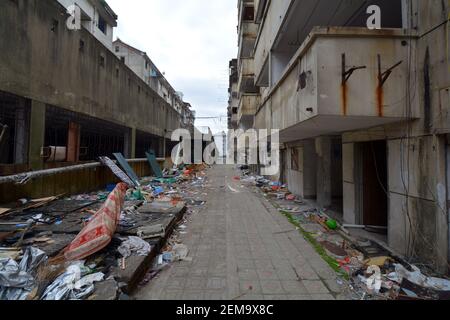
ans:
(374, 184)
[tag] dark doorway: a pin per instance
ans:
(374, 184)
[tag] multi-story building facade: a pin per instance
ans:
(248, 93)
(143, 66)
(363, 113)
(233, 96)
(63, 89)
(96, 17)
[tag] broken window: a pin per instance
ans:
(54, 26)
(249, 14)
(117, 48)
(102, 61)
(102, 25)
(81, 46)
(122, 59)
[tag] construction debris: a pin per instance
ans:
(368, 270)
(84, 245)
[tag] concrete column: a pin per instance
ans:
(73, 142)
(37, 135)
(323, 149)
(309, 170)
(133, 143)
(130, 144)
(163, 147)
(21, 133)
(448, 194)
(349, 188)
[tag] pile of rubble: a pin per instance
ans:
(96, 246)
(367, 270)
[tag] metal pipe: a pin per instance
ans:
(22, 178)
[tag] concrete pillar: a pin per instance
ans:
(21, 133)
(73, 142)
(130, 144)
(448, 194)
(37, 135)
(163, 147)
(323, 150)
(133, 143)
(349, 181)
(309, 170)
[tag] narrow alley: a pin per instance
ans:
(243, 248)
(225, 151)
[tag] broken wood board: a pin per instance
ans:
(4, 210)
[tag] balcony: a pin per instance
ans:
(247, 29)
(341, 79)
(246, 82)
(248, 105)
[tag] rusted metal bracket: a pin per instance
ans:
(383, 76)
(346, 74)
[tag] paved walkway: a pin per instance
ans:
(243, 248)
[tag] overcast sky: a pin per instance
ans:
(191, 41)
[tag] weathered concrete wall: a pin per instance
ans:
(295, 177)
(418, 211)
(417, 187)
(73, 70)
(69, 183)
(269, 30)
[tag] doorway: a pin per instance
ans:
(373, 184)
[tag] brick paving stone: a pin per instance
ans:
(238, 240)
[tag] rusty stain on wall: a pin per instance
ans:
(344, 98)
(380, 99)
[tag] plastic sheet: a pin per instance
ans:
(17, 280)
(134, 245)
(72, 284)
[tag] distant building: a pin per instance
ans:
(138, 61)
(233, 99)
(97, 17)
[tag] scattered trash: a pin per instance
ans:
(368, 271)
(134, 245)
(17, 280)
(74, 284)
(95, 240)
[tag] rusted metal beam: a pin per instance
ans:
(383, 76)
(346, 74)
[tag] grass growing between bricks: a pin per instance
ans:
(314, 243)
(317, 246)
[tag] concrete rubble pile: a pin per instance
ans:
(38, 237)
(366, 269)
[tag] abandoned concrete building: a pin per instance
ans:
(96, 17)
(363, 113)
(66, 98)
(143, 66)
